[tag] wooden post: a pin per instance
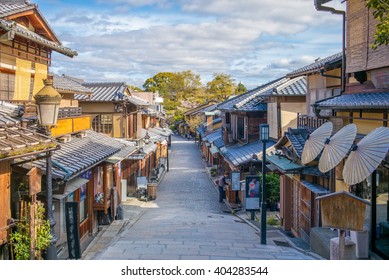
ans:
(342, 244)
(32, 227)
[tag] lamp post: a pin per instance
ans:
(48, 101)
(264, 137)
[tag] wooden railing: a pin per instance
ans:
(309, 122)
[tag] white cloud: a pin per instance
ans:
(252, 40)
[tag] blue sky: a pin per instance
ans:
(254, 41)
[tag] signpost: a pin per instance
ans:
(72, 230)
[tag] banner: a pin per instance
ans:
(22, 80)
(40, 74)
(252, 192)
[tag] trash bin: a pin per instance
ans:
(152, 190)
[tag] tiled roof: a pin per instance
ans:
(9, 7)
(293, 87)
(144, 151)
(219, 142)
(104, 92)
(137, 101)
(67, 84)
(373, 100)
(80, 154)
(198, 109)
(256, 94)
(20, 31)
(254, 100)
(17, 142)
(328, 62)
(153, 136)
(11, 110)
(284, 164)
(201, 130)
(317, 189)
(239, 155)
(122, 154)
(297, 137)
(166, 132)
(213, 136)
(6, 120)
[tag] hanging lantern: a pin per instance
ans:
(48, 101)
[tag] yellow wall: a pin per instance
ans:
(97, 108)
(117, 131)
(365, 126)
(71, 125)
(289, 115)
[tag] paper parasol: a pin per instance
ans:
(315, 142)
(366, 156)
(337, 147)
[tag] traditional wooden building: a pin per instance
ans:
(300, 184)
(242, 116)
(365, 103)
(16, 143)
(26, 46)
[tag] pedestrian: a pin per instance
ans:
(222, 184)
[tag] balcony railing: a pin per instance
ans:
(310, 123)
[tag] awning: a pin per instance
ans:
(121, 155)
(70, 187)
(283, 164)
(213, 150)
(317, 189)
(144, 151)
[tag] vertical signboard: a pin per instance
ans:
(73, 230)
(235, 181)
(252, 192)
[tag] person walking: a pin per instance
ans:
(222, 186)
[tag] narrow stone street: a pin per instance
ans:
(186, 221)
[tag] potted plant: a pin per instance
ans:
(272, 190)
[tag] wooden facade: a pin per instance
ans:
(5, 200)
(360, 36)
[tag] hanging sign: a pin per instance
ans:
(73, 230)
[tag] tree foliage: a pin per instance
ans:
(220, 88)
(240, 89)
(194, 122)
(380, 10)
(21, 238)
(184, 90)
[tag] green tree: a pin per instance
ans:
(240, 89)
(162, 82)
(220, 88)
(380, 10)
(194, 122)
(180, 91)
(272, 187)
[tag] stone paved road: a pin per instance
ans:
(186, 221)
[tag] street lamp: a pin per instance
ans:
(147, 138)
(48, 101)
(264, 137)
